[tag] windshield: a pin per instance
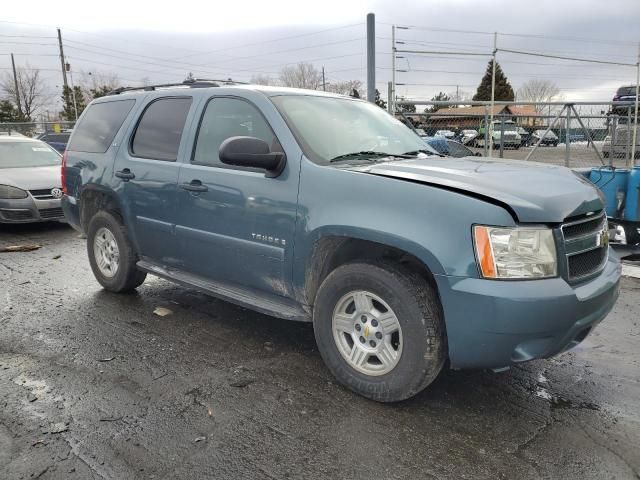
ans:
(508, 126)
(27, 154)
(542, 132)
(329, 127)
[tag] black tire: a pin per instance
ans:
(127, 277)
(417, 308)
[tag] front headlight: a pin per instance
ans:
(515, 253)
(9, 192)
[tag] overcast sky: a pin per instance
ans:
(238, 39)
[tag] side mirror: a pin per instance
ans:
(252, 152)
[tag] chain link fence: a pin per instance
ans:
(573, 134)
(35, 129)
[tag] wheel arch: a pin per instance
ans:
(94, 198)
(332, 249)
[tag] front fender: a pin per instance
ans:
(428, 222)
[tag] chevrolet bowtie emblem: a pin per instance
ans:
(366, 331)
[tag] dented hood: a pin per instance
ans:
(534, 192)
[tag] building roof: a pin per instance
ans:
(524, 110)
(471, 111)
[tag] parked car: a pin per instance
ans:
(445, 134)
(29, 181)
(548, 138)
(450, 148)
(11, 134)
(284, 201)
(56, 140)
(621, 147)
(511, 138)
(626, 93)
(525, 137)
(467, 137)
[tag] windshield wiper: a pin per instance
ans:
(366, 155)
(426, 152)
(416, 152)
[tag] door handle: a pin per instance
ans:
(125, 174)
(194, 186)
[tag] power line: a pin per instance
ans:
(326, 44)
(523, 35)
(575, 59)
(278, 39)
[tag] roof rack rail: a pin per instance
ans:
(191, 83)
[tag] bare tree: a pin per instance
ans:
(460, 96)
(537, 91)
(345, 88)
(263, 80)
(302, 75)
(96, 84)
(32, 91)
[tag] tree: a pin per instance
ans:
(440, 97)
(404, 108)
(302, 75)
(503, 89)
(345, 88)
(99, 92)
(378, 101)
(538, 91)
(354, 93)
(189, 77)
(69, 104)
(31, 90)
(8, 112)
(263, 80)
(98, 84)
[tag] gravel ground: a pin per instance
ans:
(95, 385)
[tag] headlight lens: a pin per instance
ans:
(515, 253)
(9, 192)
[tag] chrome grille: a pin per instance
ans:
(586, 243)
(42, 194)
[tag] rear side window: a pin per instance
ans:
(62, 138)
(626, 91)
(160, 129)
(99, 126)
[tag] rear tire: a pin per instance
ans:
(394, 366)
(111, 254)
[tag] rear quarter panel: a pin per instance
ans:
(95, 170)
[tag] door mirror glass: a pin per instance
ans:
(251, 152)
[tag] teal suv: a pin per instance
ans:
(323, 208)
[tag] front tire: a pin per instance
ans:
(379, 329)
(111, 254)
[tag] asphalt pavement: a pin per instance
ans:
(97, 385)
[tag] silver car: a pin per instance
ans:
(29, 181)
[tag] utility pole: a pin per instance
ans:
(493, 92)
(324, 85)
(457, 93)
(371, 57)
(635, 114)
(62, 61)
(15, 82)
(392, 106)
